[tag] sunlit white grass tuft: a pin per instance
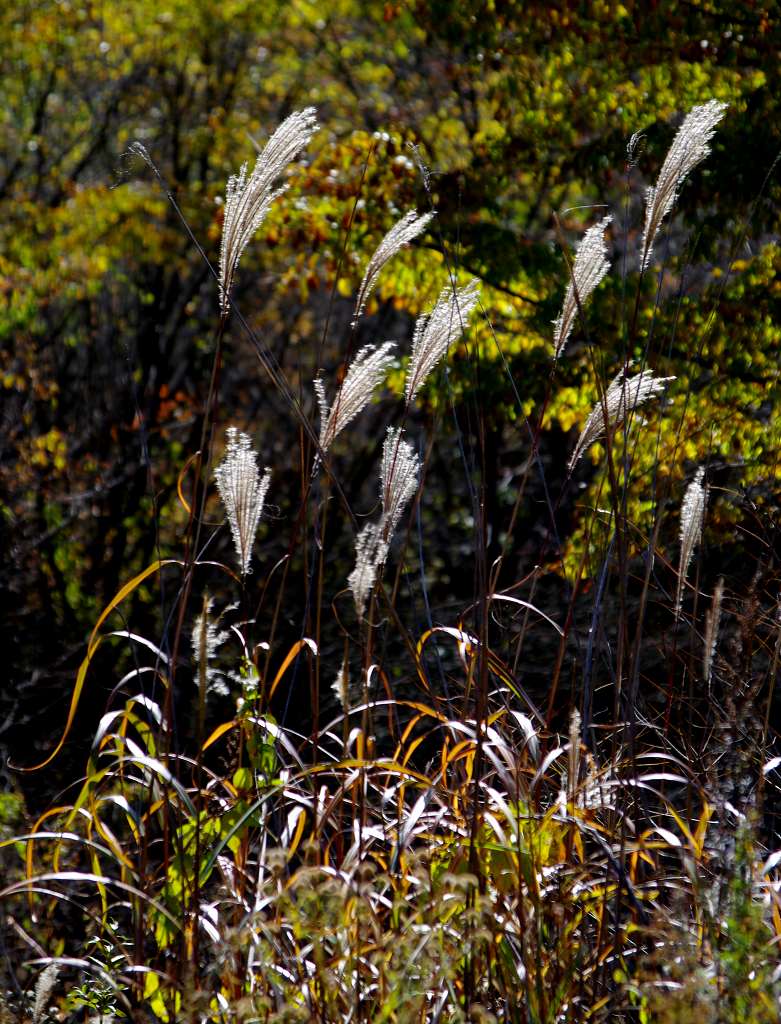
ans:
(371, 550)
(398, 478)
(243, 493)
(590, 266)
(692, 518)
(365, 374)
(712, 624)
(622, 397)
(248, 200)
(403, 232)
(436, 331)
(689, 148)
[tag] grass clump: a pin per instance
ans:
(433, 841)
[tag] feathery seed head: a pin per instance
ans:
(712, 623)
(692, 518)
(409, 227)
(206, 639)
(621, 398)
(43, 990)
(398, 482)
(436, 331)
(247, 200)
(689, 148)
(590, 266)
(366, 372)
(575, 724)
(341, 689)
(371, 550)
(632, 146)
(398, 478)
(243, 493)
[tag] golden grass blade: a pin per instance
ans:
(92, 646)
(291, 655)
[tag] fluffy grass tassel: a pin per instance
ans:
(365, 374)
(712, 624)
(398, 482)
(371, 550)
(590, 266)
(621, 398)
(692, 517)
(243, 493)
(248, 200)
(689, 148)
(403, 232)
(399, 478)
(436, 331)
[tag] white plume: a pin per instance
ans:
(590, 266)
(689, 148)
(247, 200)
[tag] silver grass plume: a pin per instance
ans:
(436, 331)
(409, 227)
(243, 493)
(247, 200)
(206, 639)
(689, 148)
(712, 623)
(621, 398)
(398, 482)
(43, 990)
(575, 724)
(341, 688)
(398, 479)
(371, 550)
(366, 372)
(692, 516)
(590, 266)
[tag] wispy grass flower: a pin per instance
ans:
(712, 624)
(689, 148)
(408, 228)
(590, 266)
(365, 374)
(622, 397)
(248, 200)
(243, 493)
(341, 688)
(398, 482)
(692, 518)
(371, 550)
(436, 331)
(43, 990)
(398, 478)
(207, 638)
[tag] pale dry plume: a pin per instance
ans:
(341, 688)
(692, 518)
(365, 374)
(243, 493)
(712, 623)
(436, 331)
(399, 473)
(689, 148)
(43, 990)
(206, 639)
(589, 268)
(403, 232)
(622, 397)
(371, 550)
(248, 200)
